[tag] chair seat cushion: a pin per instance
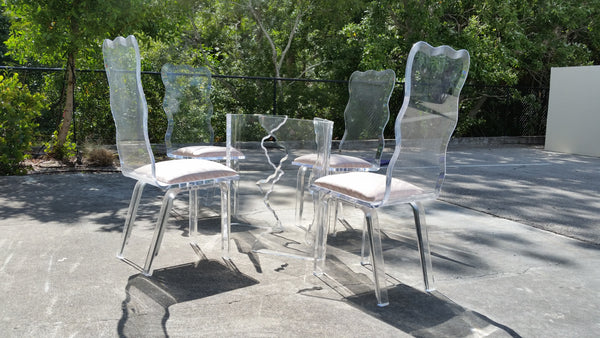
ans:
(215, 152)
(187, 170)
(367, 186)
(336, 161)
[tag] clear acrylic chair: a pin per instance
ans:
(365, 117)
(189, 111)
(130, 113)
(425, 123)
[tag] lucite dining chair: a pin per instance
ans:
(130, 113)
(365, 117)
(425, 123)
(189, 111)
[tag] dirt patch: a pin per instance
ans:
(52, 166)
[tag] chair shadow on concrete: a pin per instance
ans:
(146, 306)
(413, 311)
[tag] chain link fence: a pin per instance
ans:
(485, 111)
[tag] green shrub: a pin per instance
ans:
(64, 152)
(18, 110)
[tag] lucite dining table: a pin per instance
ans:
(263, 210)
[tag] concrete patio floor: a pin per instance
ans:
(515, 238)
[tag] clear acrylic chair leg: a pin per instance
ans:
(225, 218)
(423, 243)
(320, 230)
(131, 214)
(233, 191)
(159, 229)
(376, 256)
(364, 250)
(193, 212)
(233, 197)
(300, 194)
(338, 205)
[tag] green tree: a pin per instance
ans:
(66, 33)
(272, 18)
(18, 109)
(4, 32)
(513, 43)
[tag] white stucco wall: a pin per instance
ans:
(573, 124)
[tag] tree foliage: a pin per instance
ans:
(18, 109)
(511, 42)
(64, 33)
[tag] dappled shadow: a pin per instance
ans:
(414, 312)
(147, 302)
(290, 243)
(401, 252)
(551, 191)
(67, 199)
(98, 198)
(429, 315)
(488, 242)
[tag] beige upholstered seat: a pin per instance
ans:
(370, 187)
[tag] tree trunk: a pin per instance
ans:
(67, 117)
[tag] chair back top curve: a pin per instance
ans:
(128, 105)
(187, 105)
(367, 111)
(433, 81)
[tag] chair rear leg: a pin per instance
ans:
(159, 230)
(193, 212)
(340, 216)
(225, 218)
(320, 232)
(364, 253)
(376, 256)
(233, 196)
(233, 189)
(300, 194)
(423, 242)
(338, 207)
(131, 214)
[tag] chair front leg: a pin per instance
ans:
(233, 191)
(321, 229)
(364, 254)
(131, 214)
(193, 212)
(159, 230)
(376, 256)
(300, 194)
(225, 217)
(423, 243)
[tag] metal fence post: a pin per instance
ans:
(274, 96)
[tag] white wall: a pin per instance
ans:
(573, 124)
